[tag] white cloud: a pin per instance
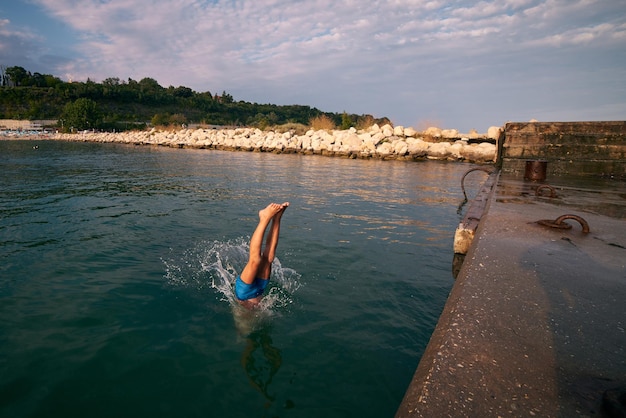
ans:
(387, 57)
(18, 44)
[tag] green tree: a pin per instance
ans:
(160, 119)
(226, 98)
(181, 91)
(18, 76)
(178, 119)
(346, 121)
(81, 114)
(128, 104)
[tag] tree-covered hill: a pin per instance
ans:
(119, 104)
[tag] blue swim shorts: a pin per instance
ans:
(245, 291)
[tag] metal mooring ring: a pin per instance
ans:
(546, 186)
(559, 224)
(552, 224)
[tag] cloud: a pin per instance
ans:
(387, 57)
(246, 36)
(17, 45)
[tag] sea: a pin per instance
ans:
(117, 265)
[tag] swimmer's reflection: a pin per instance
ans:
(261, 360)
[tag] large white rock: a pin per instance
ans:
(433, 131)
(365, 136)
(400, 148)
(378, 137)
(374, 128)
(387, 130)
(327, 137)
(384, 149)
(369, 146)
(418, 147)
(456, 149)
(483, 152)
(439, 150)
(410, 132)
(450, 133)
(351, 142)
(494, 132)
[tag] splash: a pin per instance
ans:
(216, 264)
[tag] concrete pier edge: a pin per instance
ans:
(534, 323)
(466, 231)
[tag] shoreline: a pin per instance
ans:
(386, 142)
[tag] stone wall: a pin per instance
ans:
(384, 142)
(576, 148)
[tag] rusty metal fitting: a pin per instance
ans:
(559, 224)
(546, 186)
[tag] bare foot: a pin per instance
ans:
(269, 212)
(282, 210)
(279, 214)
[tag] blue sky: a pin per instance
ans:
(454, 64)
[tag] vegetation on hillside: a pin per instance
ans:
(120, 105)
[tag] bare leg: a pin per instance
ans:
(259, 263)
(271, 243)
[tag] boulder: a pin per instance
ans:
(479, 153)
(387, 130)
(417, 147)
(494, 132)
(433, 131)
(369, 146)
(455, 150)
(374, 128)
(410, 132)
(352, 142)
(378, 137)
(439, 150)
(400, 148)
(450, 133)
(385, 149)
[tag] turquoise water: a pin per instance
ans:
(116, 270)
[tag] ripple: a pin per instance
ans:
(117, 266)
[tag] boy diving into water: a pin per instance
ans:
(251, 283)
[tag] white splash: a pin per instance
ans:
(217, 264)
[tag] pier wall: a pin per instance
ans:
(504, 343)
(577, 148)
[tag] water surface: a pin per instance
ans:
(116, 269)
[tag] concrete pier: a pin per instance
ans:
(570, 148)
(535, 324)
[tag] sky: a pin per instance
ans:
(464, 65)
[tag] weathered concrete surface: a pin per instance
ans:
(535, 323)
(592, 148)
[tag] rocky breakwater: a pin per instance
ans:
(386, 142)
